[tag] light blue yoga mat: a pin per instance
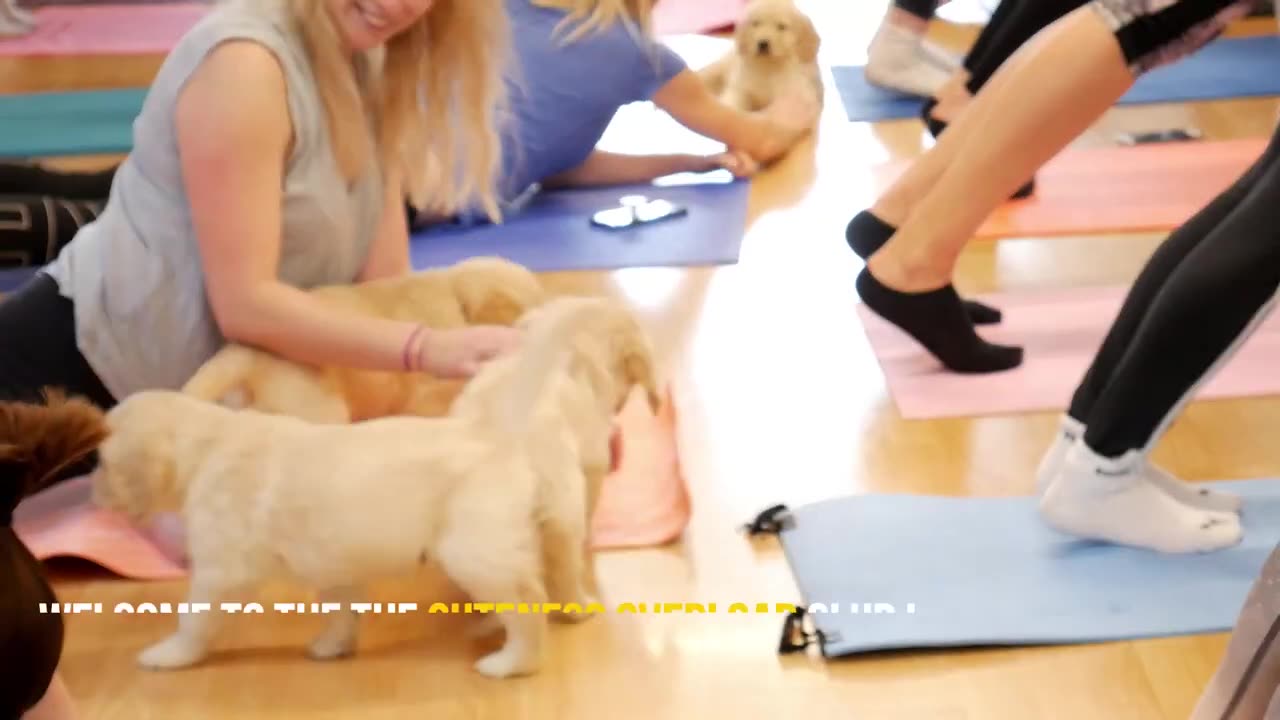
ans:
(935, 572)
(90, 122)
(554, 231)
(1225, 68)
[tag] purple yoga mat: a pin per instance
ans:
(554, 231)
(1060, 331)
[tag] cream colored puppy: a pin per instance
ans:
(775, 54)
(477, 291)
(495, 493)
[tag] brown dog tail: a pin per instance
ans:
(221, 380)
(40, 440)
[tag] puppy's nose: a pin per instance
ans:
(762, 47)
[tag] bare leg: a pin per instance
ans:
(1245, 682)
(1048, 93)
(55, 705)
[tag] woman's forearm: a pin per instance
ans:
(607, 168)
(302, 327)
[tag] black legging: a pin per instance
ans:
(41, 210)
(37, 350)
(1200, 295)
(923, 9)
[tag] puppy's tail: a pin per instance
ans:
(510, 403)
(221, 380)
(39, 441)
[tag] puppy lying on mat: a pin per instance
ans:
(495, 492)
(775, 55)
(478, 291)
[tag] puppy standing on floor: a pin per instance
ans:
(495, 492)
(775, 51)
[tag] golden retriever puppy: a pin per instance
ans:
(775, 53)
(494, 493)
(478, 291)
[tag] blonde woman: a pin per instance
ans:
(575, 63)
(273, 154)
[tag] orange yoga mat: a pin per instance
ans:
(1144, 188)
(644, 503)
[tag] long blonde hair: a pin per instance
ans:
(589, 15)
(432, 100)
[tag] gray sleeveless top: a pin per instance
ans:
(134, 274)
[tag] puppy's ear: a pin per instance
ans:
(638, 370)
(808, 41)
(742, 36)
(498, 294)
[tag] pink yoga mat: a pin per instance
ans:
(1060, 331)
(643, 503)
(106, 29)
(685, 17)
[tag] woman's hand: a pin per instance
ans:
(457, 354)
(737, 162)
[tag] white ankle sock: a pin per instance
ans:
(1097, 498)
(946, 60)
(1069, 431)
(896, 59)
(1194, 494)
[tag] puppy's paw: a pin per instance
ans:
(173, 653)
(488, 624)
(332, 646)
(505, 663)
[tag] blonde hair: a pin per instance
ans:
(430, 100)
(589, 15)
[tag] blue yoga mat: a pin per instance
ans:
(554, 231)
(90, 122)
(975, 572)
(1225, 68)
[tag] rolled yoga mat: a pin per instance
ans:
(914, 572)
(643, 503)
(1225, 68)
(555, 233)
(1060, 331)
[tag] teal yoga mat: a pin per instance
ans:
(914, 572)
(1225, 68)
(87, 122)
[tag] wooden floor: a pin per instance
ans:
(781, 401)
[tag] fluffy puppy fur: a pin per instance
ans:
(37, 441)
(775, 51)
(495, 492)
(478, 291)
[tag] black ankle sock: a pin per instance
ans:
(866, 233)
(937, 320)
